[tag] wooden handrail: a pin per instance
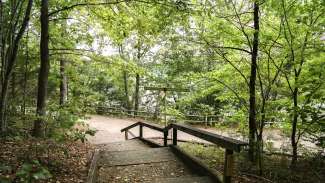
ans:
(230, 145)
(222, 141)
(152, 126)
(131, 126)
(143, 124)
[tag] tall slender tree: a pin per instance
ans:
(38, 130)
(252, 84)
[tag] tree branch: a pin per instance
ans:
(234, 92)
(84, 4)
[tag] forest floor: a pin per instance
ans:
(22, 160)
(68, 162)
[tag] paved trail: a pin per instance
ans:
(109, 131)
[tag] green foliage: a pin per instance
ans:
(203, 46)
(32, 172)
(3, 170)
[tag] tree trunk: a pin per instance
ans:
(7, 68)
(126, 91)
(23, 108)
(38, 130)
(63, 83)
(260, 143)
(294, 129)
(13, 85)
(3, 105)
(136, 96)
(252, 97)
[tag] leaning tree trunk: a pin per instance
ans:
(252, 97)
(39, 123)
(63, 83)
(136, 96)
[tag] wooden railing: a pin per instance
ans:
(205, 119)
(230, 145)
(143, 124)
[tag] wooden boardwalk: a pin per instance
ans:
(135, 161)
(141, 160)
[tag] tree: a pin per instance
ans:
(300, 23)
(252, 83)
(38, 129)
(9, 47)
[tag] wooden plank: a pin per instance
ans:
(197, 166)
(225, 142)
(153, 126)
(92, 173)
(146, 156)
(131, 126)
(229, 166)
(174, 136)
(143, 173)
(150, 143)
(184, 179)
(130, 145)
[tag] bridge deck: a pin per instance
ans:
(134, 161)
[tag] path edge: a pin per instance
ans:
(91, 178)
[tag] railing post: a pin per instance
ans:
(174, 136)
(126, 135)
(140, 131)
(165, 137)
(229, 166)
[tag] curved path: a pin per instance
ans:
(108, 130)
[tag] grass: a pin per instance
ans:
(310, 168)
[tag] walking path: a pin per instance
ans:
(133, 161)
(109, 131)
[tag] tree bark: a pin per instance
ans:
(39, 123)
(23, 108)
(63, 83)
(3, 105)
(294, 129)
(136, 96)
(252, 97)
(8, 68)
(126, 91)
(13, 85)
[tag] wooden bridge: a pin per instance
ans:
(143, 160)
